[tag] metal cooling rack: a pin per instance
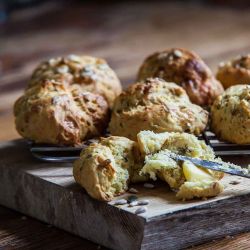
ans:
(225, 148)
(53, 153)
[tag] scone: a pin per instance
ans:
(236, 71)
(186, 69)
(150, 142)
(51, 113)
(190, 181)
(158, 106)
(230, 115)
(104, 169)
(92, 74)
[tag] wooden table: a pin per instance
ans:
(124, 34)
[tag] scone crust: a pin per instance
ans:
(191, 190)
(95, 170)
(186, 69)
(157, 106)
(230, 115)
(92, 74)
(51, 113)
(234, 72)
(104, 169)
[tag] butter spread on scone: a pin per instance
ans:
(230, 115)
(158, 106)
(92, 74)
(186, 69)
(236, 71)
(105, 169)
(189, 180)
(51, 113)
(150, 142)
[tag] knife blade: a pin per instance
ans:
(228, 168)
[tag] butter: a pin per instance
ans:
(193, 173)
(189, 180)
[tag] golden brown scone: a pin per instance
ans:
(51, 113)
(92, 74)
(105, 168)
(230, 115)
(236, 71)
(158, 106)
(180, 143)
(202, 189)
(188, 180)
(186, 69)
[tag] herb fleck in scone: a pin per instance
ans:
(158, 106)
(186, 69)
(91, 74)
(106, 168)
(230, 115)
(51, 113)
(236, 71)
(189, 180)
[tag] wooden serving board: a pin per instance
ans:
(48, 192)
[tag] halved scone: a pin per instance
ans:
(105, 168)
(189, 180)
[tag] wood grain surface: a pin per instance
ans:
(48, 192)
(124, 34)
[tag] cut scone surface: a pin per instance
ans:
(189, 180)
(105, 169)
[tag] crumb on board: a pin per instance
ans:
(234, 182)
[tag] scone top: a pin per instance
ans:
(67, 100)
(90, 73)
(186, 69)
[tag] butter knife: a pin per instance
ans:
(228, 168)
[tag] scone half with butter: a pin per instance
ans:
(158, 106)
(188, 180)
